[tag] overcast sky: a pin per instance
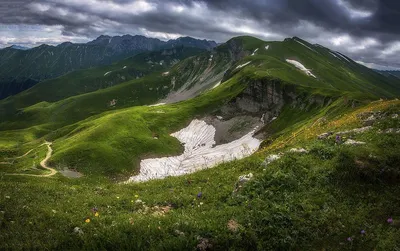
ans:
(366, 30)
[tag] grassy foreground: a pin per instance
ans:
(335, 197)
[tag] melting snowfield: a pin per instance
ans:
(254, 52)
(300, 66)
(159, 104)
(200, 153)
(305, 45)
(216, 85)
(243, 65)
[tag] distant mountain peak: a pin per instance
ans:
(19, 47)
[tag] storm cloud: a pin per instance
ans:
(366, 30)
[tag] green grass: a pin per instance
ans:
(307, 201)
(302, 201)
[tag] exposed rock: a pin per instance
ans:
(325, 135)
(113, 102)
(370, 121)
(395, 116)
(353, 142)
(245, 178)
(180, 233)
(298, 150)
(241, 181)
(356, 130)
(271, 158)
(78, 231)
(389, 130)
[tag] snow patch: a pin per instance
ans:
(254, 52)
(333, 55)
(216, 85)
(157, 104)
(243, 65)
(124, 67)
(305, 45)
(165, 74)
(301, 67)
(211, 57)
(200, 153)
(105, 74)
(342, 56)
(267, 47)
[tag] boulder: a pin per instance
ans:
(325, 135)
(353, 142)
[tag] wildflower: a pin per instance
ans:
(362, 232)
(8, 197)
(132, 201)
(117, 197)
(96, 214)
(87, 220)
(349, 239)
(201, 203)
(136, 196)
(199, 195)
(390, 220)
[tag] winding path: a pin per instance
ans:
(43, 163)
(10, 163)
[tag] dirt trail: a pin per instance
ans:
(10, 163)
(43, 163)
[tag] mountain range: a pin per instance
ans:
(247, 145)
(21, 69)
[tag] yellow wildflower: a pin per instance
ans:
(87, 220)
(96, 214)
(136, 196)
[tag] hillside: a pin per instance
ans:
(390, 73)
(21, 69)
(249, 129)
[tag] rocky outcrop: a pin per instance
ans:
(265, 98)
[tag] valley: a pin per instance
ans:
(250, 144)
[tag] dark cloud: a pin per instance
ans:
(366, 30)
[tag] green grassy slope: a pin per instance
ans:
(87, 123)
(89, 80)
(308, 201)
(312, 201)
(332, 72)
(46, 62)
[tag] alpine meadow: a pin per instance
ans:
(284, 137)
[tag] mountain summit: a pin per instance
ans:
(45, 62)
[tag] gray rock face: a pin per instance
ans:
(266, 98)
